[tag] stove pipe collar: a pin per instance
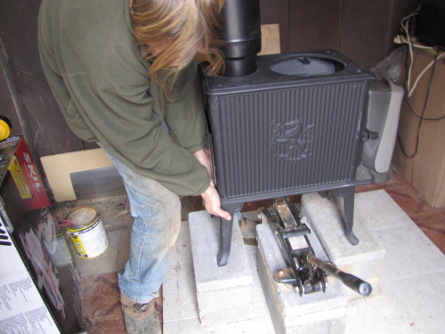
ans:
(242, 36)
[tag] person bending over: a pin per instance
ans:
(125, 75)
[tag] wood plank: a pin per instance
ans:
(59, 167)
(270, 39)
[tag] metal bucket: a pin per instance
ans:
(87, 232)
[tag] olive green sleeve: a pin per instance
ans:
(185, 114)
(133, 131)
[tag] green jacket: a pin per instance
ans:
(103, 87)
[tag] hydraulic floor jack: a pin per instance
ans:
(305, 272)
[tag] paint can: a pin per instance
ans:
(87, 232)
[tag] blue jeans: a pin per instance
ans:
(157, 219)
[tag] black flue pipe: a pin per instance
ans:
(242, 36)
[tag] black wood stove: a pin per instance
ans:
(283, 125)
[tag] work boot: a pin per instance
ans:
(140, 318)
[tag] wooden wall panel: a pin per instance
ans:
(276, 11)
(367, 28)
(7, 103)
(45, 128)
(313, 25)
(363, 30)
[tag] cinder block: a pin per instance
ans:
(225, 306)
(225, 293)
(365, 260)
(312, 313)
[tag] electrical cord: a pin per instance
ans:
(427, 67)
(409, 156)
(421, 117)
(407, 39)
(405, 25)
(411, 109)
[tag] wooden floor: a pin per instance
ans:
(100, 294)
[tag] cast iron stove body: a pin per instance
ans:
(295, 125)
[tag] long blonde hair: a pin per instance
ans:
(187, 28)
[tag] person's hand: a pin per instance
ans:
(212, 203)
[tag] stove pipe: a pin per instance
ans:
(242, 36)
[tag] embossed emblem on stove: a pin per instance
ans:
(291, 140)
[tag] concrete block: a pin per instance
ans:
(312, 313)
(378, 211)
(226, 305)
(365, 260)
(180, 301)
(409, 253)
(224, 294)
(180, 252)
(179, 294)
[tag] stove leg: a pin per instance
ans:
(348, 202)
(225, 237)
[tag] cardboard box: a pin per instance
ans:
(39, 284)
(20, 164)
(23, 310)
(422, 159)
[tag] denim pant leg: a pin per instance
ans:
(157, 218)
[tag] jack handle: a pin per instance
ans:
(351, 281)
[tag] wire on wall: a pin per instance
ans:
(411, 84)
